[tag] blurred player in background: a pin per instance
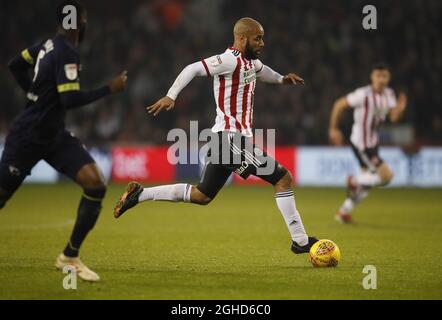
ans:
(235, 73)
(38, 132)
(372, 104)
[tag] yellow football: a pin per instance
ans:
(325, 253)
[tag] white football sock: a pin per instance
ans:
(173, 192)
(362, 194)
(349, 203)
(347, 206)
(368, 179)
(286, 204)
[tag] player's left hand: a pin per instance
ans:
(292, 79)
(164, 103)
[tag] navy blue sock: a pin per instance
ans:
(88, 212)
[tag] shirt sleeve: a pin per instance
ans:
(30, 54)
(267, 75)
(68, 82)
(221, 64)
(67, 66)
(356, 98)
(184, 78)
(258, 66)
(21, 63)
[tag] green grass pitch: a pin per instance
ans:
(235, 248)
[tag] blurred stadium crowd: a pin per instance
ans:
(321, 40)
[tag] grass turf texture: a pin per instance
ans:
(235, 248)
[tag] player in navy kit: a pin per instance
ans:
(38, 132)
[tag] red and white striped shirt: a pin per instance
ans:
(234, 89)
(371, 109)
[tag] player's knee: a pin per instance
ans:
(203, 200)
(95, 188)
(90, 177)
(98, 192)
(200, 198)
(97, 183)
(94, 181)
(285, 183)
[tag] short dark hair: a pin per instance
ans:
(380, 66)
(60, 15)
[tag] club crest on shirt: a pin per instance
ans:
(71, 71)
(216, 61)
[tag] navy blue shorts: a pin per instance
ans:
(67, 155)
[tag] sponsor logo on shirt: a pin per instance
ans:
(249, 76)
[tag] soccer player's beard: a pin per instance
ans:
(249, 53)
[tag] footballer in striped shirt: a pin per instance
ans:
(235, 73)
(371, 105)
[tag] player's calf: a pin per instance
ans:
(285, 201)
(89, 177)
(87, 215)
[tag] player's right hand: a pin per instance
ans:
(336, 137)
(118, 83)
(164, 103)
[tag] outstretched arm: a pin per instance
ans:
(268, 75)
(71, 96)
(191, 71)
(68, 82)
(188, 74)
